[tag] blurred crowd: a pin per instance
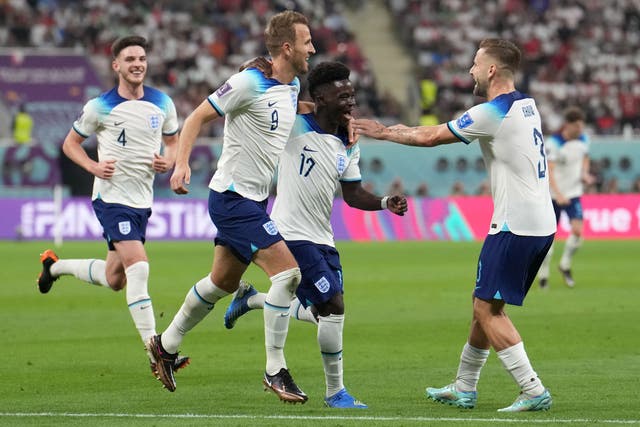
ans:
(575, 53)
(196, 45)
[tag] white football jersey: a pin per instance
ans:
(259, 114)
(130, 132)
(509, 131)
(310, 170)
(567, 158)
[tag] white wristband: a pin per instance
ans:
(384, 203)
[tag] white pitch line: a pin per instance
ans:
(315, 417)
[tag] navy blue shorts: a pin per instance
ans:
(508, 264)
(243, 224)
(121, 222)
(573, 209)
(321, 272)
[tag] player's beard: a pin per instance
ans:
(300, 65)
(480, 89)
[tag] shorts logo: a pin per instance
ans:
(124, 227)
(154, 121)
(464, 121)
(223, 89)
(323, 285)
(341, 163)
(270, 227)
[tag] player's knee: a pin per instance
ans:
(335, 305)
(290, 279)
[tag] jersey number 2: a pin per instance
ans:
(542, 164)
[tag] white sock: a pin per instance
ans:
(543, 273)
(299, 312)
(257, 300)
(570, 247)
(276, 317)
(197, 304)
(472, 360)
(138, 299)
(515, 361)
(330, 340)
(89, 270)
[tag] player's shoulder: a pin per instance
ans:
(254, 78)
(156, 97)
(502, 104)
(104, 102)
(556, 139)
(584, 138)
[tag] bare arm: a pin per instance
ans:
(587, 178)
(559, 197)
(72, 148)
(357, 197)
(418, 136)
(164, 163)
(181, 176)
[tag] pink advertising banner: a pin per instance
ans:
(455, 219)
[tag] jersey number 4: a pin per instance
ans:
(542, 164)
(122, 139)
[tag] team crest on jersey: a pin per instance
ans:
(270, 227)
(341, 163)
(464, 121)
(124, 227)
(323, 285)
(154, 121)
(223, 89)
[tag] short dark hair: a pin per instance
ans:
(573, 114)
(504, 51)
(326, 72)
(124, 42)
(281, 29)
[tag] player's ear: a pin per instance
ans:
(319, 99)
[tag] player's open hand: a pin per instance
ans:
(104, 169)
(160, 163)
(351, 133)
(397, 204)
(180, 178)
(370, 128)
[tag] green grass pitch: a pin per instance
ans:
(73, 356)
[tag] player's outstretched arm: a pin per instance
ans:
(418, 136)
(357, 197)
